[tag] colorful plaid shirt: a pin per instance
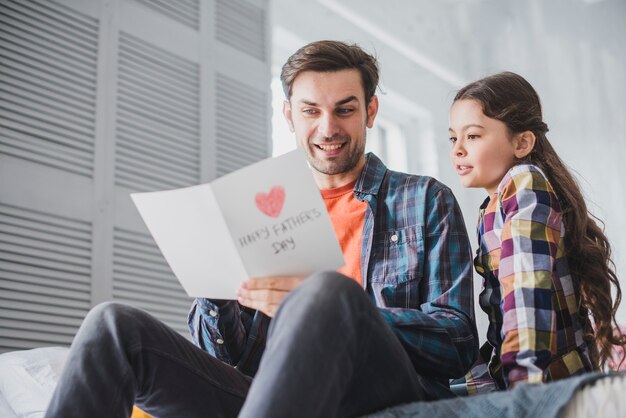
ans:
(535, 329)
(416, 260)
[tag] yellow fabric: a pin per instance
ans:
(138, 413)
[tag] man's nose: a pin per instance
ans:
(328, 126)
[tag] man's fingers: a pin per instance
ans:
(268, 309)
(265, 295)
(273, 283)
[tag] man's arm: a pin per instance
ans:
(232, 333)
(440, 337)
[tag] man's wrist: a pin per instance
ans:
(208, 305)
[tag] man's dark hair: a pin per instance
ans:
(329, 56)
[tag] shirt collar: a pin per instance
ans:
(371, 177)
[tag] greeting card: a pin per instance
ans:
(267, 219)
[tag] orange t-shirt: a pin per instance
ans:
(348, 216)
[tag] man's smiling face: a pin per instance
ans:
(328, 113)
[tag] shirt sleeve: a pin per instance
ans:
(233, 334)
(441, 337)
(530, 237)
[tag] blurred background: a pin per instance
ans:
(101, 98)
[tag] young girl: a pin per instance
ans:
(546, 264)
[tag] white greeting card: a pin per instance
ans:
(267, 219)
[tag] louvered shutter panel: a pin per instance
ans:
(241, 25)
(137, 266)
(237, 143)
(98, 99)
(48, 57)
(44, 276)
(47, 84)
(158, 135)
(184, 11)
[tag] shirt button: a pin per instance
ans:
(219, 341)
(213, 313)
(394, 238)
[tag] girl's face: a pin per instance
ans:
(483, 150)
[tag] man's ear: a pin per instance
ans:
(372, 110)
(524, 144)
(288, 115)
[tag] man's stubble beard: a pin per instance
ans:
(341, 165)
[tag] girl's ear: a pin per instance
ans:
(524, 144)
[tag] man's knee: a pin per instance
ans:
(329, 285)
(321, 301)
(328, 293)
(109, 318)
(107, 312)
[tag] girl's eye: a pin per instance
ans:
(452, 139)
(471, 136)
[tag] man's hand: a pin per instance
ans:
(265, 294)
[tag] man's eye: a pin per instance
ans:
(309, 111)
(344, 111)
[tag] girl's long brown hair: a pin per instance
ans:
(510, 99)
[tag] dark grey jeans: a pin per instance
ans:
(329, 353)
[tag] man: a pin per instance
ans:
(392, 330)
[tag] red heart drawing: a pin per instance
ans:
(271, 203)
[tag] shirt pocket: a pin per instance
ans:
(398, 266)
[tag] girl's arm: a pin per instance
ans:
(530, 238)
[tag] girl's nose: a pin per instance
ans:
(457, 149)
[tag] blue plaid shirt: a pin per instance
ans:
(417, 262)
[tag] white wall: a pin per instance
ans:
(572, 51)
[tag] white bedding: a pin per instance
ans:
(27, 380)
(604, 398)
